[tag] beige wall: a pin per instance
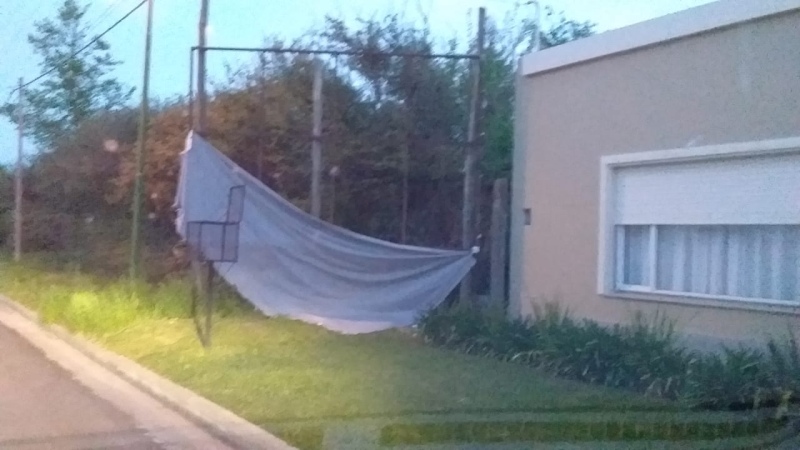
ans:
(736, 84)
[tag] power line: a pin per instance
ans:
(79, 51)
(100, 18)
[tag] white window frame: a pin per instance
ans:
(619, 275)
(609, 278)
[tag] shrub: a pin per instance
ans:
(740, 378)
(643, 356)
(733, 378)
(784, 363)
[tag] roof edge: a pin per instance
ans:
(681, 24)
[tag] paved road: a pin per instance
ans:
(53, 397)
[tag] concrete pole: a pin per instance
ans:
(472, 159)
(18, 175)
(316, 144)
(191, 89)
(201, 118)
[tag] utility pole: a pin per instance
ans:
(190, 113)
(262, 142)
(18, 175)
(406, 148)
(474, 154)
(316, 144)
(201, 118)
(140, 153)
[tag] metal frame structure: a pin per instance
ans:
(204, 256)
(473, 149)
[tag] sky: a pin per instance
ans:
(246, 23)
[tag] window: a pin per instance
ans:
(718, 222)
(737, 262)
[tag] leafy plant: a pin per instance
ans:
(732, 378)
(644, 356)
(784, 363)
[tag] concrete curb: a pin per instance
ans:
(216, 420)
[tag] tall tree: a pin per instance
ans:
(79, 81)
(393, 127)
(506, 41)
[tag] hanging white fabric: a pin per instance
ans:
(293, 264)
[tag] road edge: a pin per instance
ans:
(216, 420)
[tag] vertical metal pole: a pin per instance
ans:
(209, 267)
(473, 157)
(18, 175)
(201, 117)
(140, 154)
(316, 144)
(499, 239)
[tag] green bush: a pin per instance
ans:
(784, 362)
(743, 378)
(643, 356)
(732, 378)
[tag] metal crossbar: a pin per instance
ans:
(308, 51)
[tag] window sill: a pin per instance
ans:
(687, 300)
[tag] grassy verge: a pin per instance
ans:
(280, 373)
(495, 432)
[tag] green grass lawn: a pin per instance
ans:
(278, 371)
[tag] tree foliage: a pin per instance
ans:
(78, 85)
(394, 132)
(505, 41)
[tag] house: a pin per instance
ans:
(657, 169)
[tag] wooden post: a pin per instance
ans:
(201, 118)
(334, 173)
(316, 144)
(404, 212)
(473, 157)
(499, 239)
(18, 175)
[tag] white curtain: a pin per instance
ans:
(750, 261)
(636, 255)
